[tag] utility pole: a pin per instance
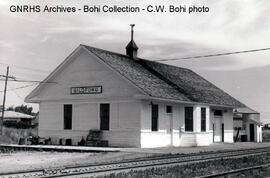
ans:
(4, 102)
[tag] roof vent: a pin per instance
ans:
(131, 48)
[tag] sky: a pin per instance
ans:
(33, 44)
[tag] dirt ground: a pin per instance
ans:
(30, 160)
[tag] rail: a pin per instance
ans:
(136, 164)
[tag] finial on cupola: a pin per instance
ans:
(131, 48)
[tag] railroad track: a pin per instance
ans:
(135, 164)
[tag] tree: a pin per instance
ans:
(11, 108)
(22, 109)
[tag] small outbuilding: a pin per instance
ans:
(17, 117)
(247, 125)
(134, 102)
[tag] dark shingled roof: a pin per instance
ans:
(166, 81)
(245, 110)
(132, 44)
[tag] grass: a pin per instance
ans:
(5, 139)
(12, 135)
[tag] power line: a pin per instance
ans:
(28, 81)
(218, 54)
(13, 89)
(31, 81)
(8, 76)
(23, 67)
(25, 86)
(192, 57)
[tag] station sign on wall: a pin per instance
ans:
(86, 90)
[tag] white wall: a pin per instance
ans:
(125, 125)
(179, 136)
(245, 122)
(228, 125)
(162, 137)
(86, 70)
(124, 122)
(258, 133)
(227, 119)
(130, 119)
(251, 118)
(153, 138)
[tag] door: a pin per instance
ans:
(251, 132)
(217, 129)
(170, 130)
(169, 112)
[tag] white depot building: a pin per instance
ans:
(135, 102)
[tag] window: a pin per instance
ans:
(169, 110)
(104, 113)
(218, 113)
(67, 116)
(203, 119)
(154, 117)
(189, 119)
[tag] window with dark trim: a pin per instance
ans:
(169, 109)
(67, 116)
(154, 123)
(203, 119)
(189, 119)
(218, 113)
(104, 114)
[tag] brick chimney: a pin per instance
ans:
(131, 48)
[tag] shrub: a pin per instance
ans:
(14, 134)
(19, 125)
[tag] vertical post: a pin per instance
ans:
(132, 25)
(222, 130)
(213, 132)
(4, 102)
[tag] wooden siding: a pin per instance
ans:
(86, 70)
(227, 119)
(50, 116)
(124, 122)
(130, 119)
(179, 137)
